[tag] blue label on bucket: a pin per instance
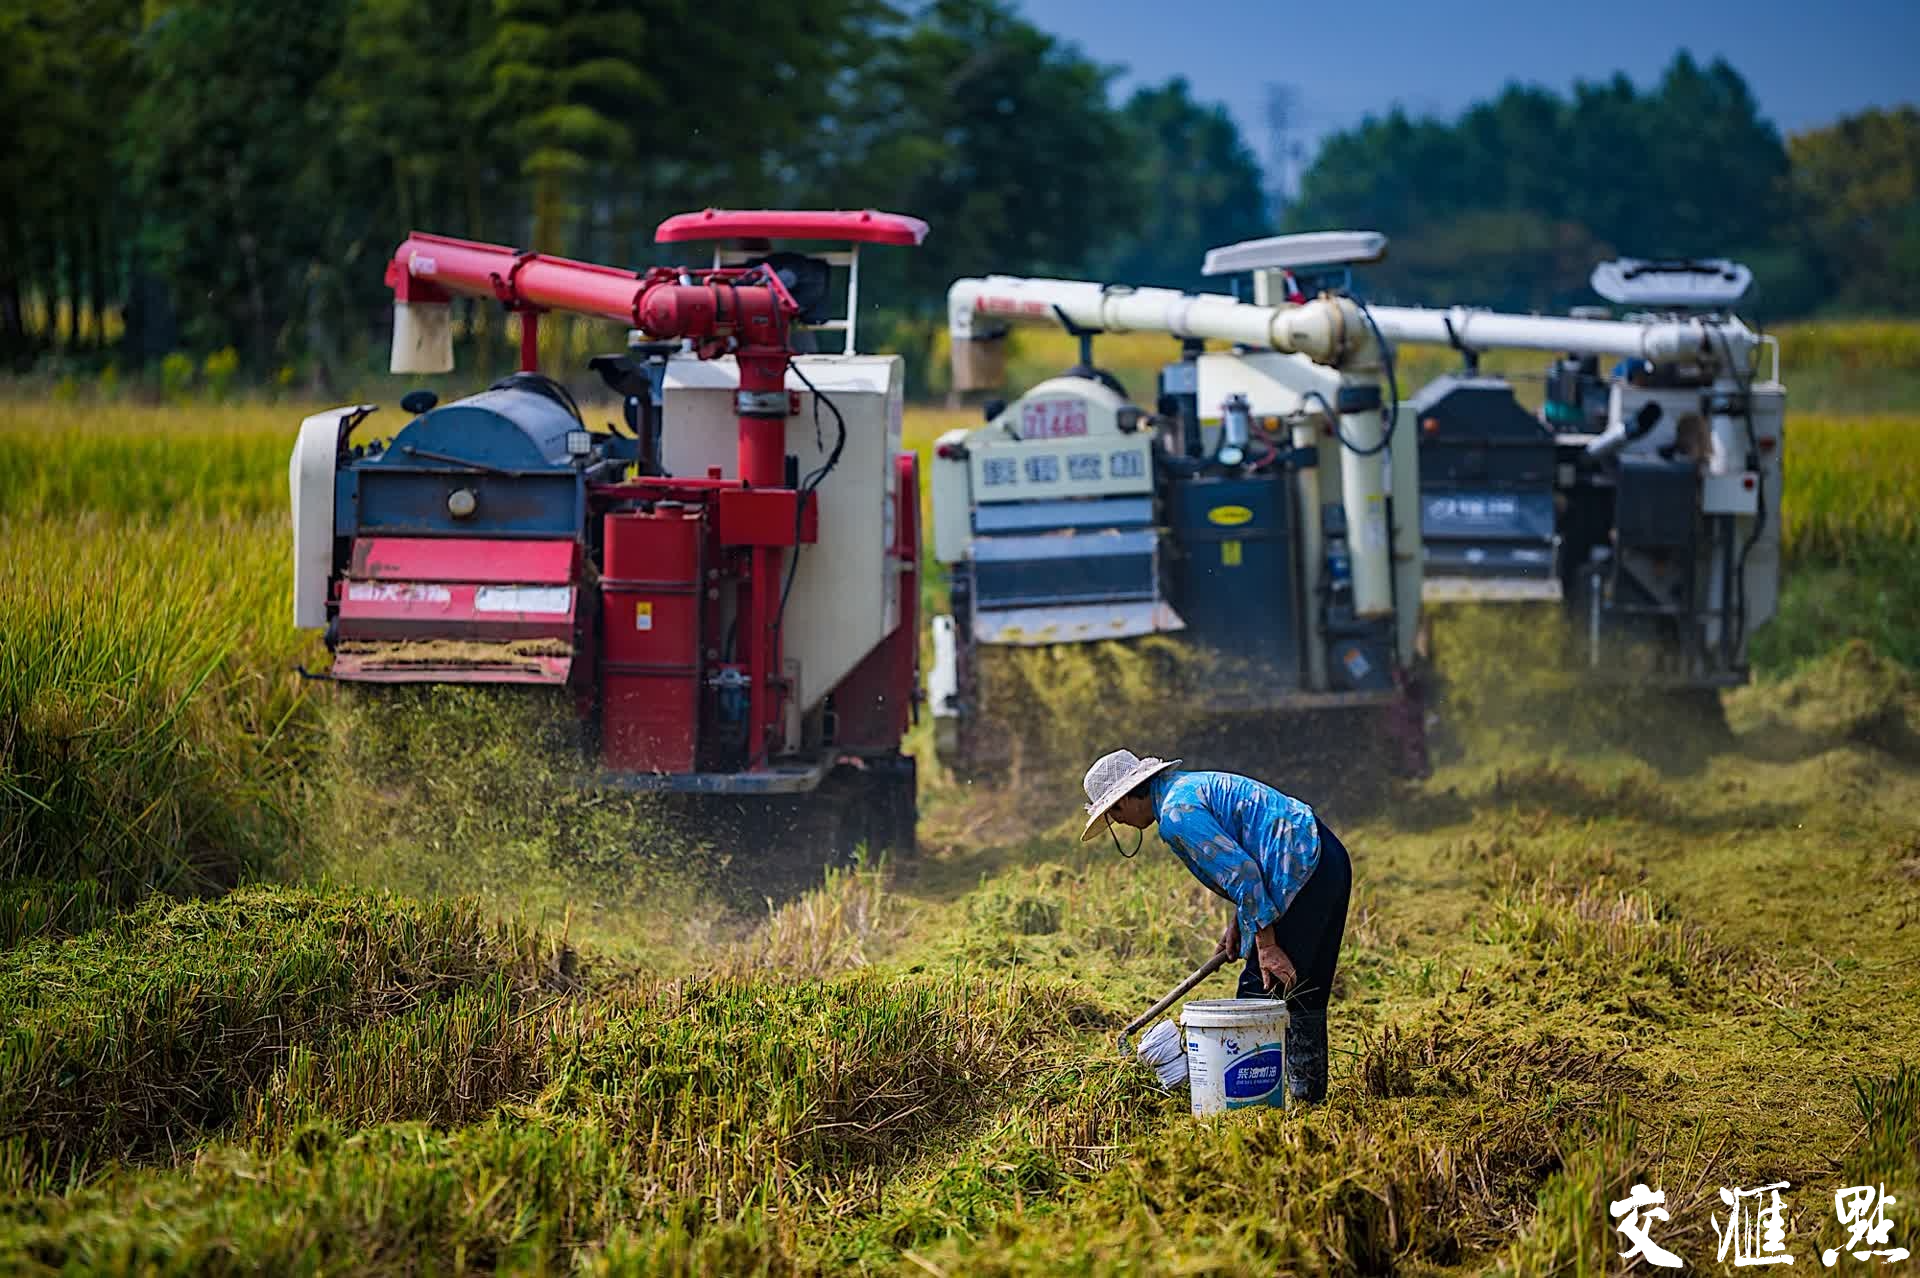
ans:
(1253, 1078)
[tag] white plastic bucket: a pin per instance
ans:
(1236, 1052)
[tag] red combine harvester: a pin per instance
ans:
(727, 587)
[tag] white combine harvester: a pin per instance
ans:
(1283, 507)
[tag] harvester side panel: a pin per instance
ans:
(874, 705)
(846, 591)
(1047, 513)
(311, 480)
(1234, 574)
(950, 487)
(1487, 474)
(1763, 561)
(651, 629)
(415, 500)
(478, 559)
(1361, 489)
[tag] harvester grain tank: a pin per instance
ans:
(725, 590)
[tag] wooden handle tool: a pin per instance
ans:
(1219, 960)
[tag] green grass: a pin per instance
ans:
(1851, 522)
(689, 1120)
(150, 718)
(120, 459)
(1853, 486)
(149, 1032)
(1865, 348)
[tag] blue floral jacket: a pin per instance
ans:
(1246, 841)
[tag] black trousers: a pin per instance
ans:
(1311, 930)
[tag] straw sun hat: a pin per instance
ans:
(1113, 777)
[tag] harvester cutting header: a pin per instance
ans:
(726, 589)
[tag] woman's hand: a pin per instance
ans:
(1230, 939)
(1276, 969)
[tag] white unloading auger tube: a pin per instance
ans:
(1328, 330)
(1659, 341)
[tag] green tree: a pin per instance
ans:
(279, 154)
(998, 134)
(416, 122)
(1390, 173)
(1726, 167)
(1508, 259)
(631, 110)
(1516, 187)
(1856, 187)
(31, 150)
(235, 162)
(1203, 188)
(567, 83)
(69, 79)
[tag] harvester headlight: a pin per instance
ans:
(579, 443)
(461, 502)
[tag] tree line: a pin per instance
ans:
(210, 174)
(1511, 203)
(232, 173)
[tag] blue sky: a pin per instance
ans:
(1807, 62)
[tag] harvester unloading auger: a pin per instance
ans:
(1287, 511)
(727, 593)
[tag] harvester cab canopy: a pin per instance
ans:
(1304, 265)
(1296, 252)
(1673, 284)
(745, 237)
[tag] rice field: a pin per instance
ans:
(1853, 486)
(292, 989)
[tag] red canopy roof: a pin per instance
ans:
(866, 226)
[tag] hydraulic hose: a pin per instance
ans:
(1339, 433)
(1393, 382)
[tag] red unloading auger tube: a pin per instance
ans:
(743, 311)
